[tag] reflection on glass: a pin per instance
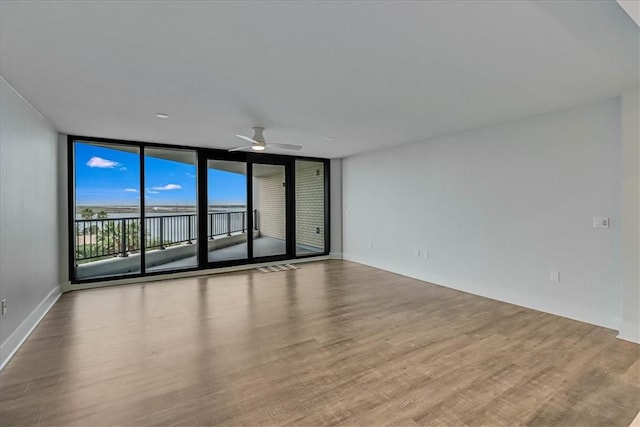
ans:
(269, 198)
(310, 222)
(171, 226)
(107, 210)
(227, 222)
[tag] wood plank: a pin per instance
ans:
(331, 343)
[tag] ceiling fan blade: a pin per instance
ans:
(284, 146)
(246, 138)
(240, 148)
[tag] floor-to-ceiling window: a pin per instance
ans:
(140, 208)
(227, 216)
(170, 194)
(310, 207)
(106, 214)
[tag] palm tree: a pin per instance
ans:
(103, 214)
(110, 236)
(86, 213)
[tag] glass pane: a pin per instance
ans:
(309, 207)
(171, 226)
(227, 210)
(107, 209)
(269, 199)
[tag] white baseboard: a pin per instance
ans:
(18, 337)
(567, 311)
(629, 332)
(335, 255)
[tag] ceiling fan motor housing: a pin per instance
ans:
(257, 134)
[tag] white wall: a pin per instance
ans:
(29, 269)
(497, 209)
(630, 215)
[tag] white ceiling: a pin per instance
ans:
(368, 74)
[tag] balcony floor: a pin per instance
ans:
(117, 267)
(262, 246)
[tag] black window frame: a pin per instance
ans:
(203, 154)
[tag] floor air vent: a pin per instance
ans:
(279, 267)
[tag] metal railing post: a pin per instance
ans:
(84, 240)
(243, 213)
(123, 238)
(161, 232)
(189, 242)
(210, 226)
(107, 234)
(228, 223)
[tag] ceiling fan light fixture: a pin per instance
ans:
(259, 144)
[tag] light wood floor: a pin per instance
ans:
(331, 343)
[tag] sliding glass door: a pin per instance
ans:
(227, 211)
(270, 206)
(138, 208)
(246, 211)
(171, 226)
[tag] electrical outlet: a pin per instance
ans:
(417, 252)
(4, 306)
(317, 230)
(372, 245)
(554, 276)
(425, 254)
(600, 222)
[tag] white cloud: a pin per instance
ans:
(168, 187)
(190, 175)
(99, 162)
(153, 192)
(130, 190)
(123, 169)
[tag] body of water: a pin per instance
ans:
(117, 213)
(175, 224)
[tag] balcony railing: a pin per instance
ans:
(102, 238)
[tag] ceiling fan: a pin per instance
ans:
(259, 144)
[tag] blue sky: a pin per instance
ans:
(107, 176)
